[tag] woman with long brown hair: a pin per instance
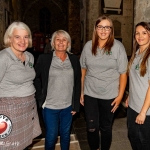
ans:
(139, 89)
(104, 64)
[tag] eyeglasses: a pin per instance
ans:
(107, 28)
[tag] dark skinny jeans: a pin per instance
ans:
(139, 135)
(99, 120)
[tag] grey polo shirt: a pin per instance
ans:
(103, 70)
(16, 79)
(60, 84)
(138, 85)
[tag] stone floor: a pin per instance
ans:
(119, 139)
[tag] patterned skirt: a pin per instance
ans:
(19, 122)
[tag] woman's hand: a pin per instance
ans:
(82, 99)
(127, 102)
(116, 104)
(73, 112)
(140, 118)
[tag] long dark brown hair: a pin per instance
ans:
(136, 46)
(109, 43)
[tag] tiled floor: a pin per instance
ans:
(119, 140)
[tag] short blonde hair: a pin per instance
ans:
(10, 29)
(65, 34)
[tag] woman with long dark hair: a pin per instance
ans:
(138, 117)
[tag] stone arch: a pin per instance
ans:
(35, 1)
(45, 17)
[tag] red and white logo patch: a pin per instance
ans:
(5, 126)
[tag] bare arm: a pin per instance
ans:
(122, 86)
(83, 71)
(142, 115)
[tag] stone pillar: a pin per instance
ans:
(141, 11)
(4, 20)
(83, 22)
(74, 25)
(1, 23)
(93, 12)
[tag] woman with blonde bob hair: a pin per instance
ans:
(20, 124)
(104, 64)
(58, 88)
(65, 35)
(138, 112)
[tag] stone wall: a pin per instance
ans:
(77, 17)
(74, 24)
(5, 17)
(57, 9)
(141, 11)
(93, 12)
(123, 21)
(63, 15)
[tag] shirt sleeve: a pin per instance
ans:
(3, 65)
(83, 57)
(122, 60)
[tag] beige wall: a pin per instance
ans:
(141, 11)
(125, 19)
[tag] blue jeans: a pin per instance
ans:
(139, 135)
(99, 118)
(57, 121)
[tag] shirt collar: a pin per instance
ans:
(15, 57)
(54, 55)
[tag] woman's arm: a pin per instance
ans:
(142, 115)
(122, 86)
(83, 72)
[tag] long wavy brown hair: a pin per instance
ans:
(109, 43)
(136, 46)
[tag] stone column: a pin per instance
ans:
(74, 25)
(141, 11)
(93, 12)
(1, 23)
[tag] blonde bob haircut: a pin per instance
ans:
(9, 32)
(64, 34)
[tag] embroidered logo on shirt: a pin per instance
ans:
(109, 53)
(137, 67)
(30, 65)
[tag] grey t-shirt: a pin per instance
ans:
(138, 85)
(60, 84)
(103, 70)
(16, 79)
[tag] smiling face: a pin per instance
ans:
(142, 36)
(103, 30)
(19, 40)
(61, 43)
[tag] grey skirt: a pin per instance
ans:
(19, 122)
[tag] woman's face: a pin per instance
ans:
(142, 36)
(19, 40)
(60, 43)
(103, 30)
